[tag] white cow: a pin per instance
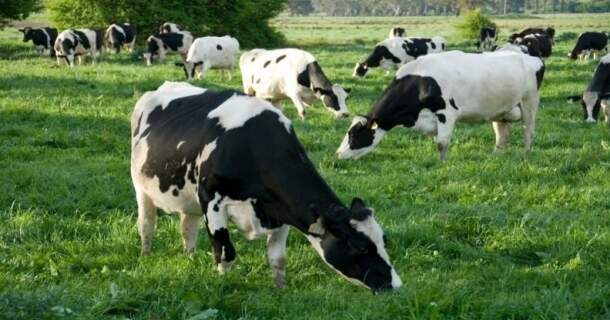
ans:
(211, 53)
(290, 73)
(434, 92)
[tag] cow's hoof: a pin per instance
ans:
(281, 283)
(224, 267)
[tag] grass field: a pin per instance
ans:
(481, 236)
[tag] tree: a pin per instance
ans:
(247, 20)
(300, 7)
(17, 10)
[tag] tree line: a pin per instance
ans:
(441, 7)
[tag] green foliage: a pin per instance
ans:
(471, 22)
(17, 10)
(244, 19)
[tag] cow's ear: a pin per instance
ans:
(348, 90)
(357, 204)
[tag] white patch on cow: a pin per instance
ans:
(590, 99)
(47, 36)
(205, 50)
(180, 144)
(243, 215)
(373, 231)
(237, 110)
(205, 153)
(341, 97)
(605, 59)
(426, 122)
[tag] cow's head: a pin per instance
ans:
(533, 45)
(397, 32)
(361, 69)
(362, 137)
(154, 50)
(27, 34)
(354, 244)
(591, 103)
(334, 99)
(189, 68)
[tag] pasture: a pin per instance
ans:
(481, 236)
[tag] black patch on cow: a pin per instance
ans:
(117, 38)
(404, 99)
(540, 76)
(360, 135)
(589, 41)
(222, 243)
(379, 53)
(441, 117)
(601, 79)
(452, 103)
(280, 58)
(266, 221)
(170, 41)
(258, 81)
(266, 64)
(253, 58)
(416, 47)
(82, 38)
(314, 78)
(218, 47)
(432, 45)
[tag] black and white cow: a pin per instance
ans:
(392, 53)
(597, 94)
(538, 45)
(549, 32)
(433, 93)
(225, 155)
(487, 39)
(159, 45)
(78, 42)
(295, 74)
(211, 53)
(119, 35)
(170, 27)
(589, 42)
(397, 32)
(42, 38)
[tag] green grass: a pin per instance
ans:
(482, 235)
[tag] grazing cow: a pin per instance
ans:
(119, 35)
(597, 94)
(290, 73)
(225, 155)
(587, 43)
(434, 92)
(78, 42)
(549, 32)
(538, 45)
(159, 45)
(397, 32)
(390, 54)
(487, 39)
(42, 38)
(169, 27)
(211, 53)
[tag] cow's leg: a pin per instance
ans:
(299, 104)
(606, 110)
(443, 136)
(217, 226)
(276, 254)
(502, 130)
(528, 116)
(205, 66)
(147, 218)
(132, 45)
(80, 60)
(189, 226)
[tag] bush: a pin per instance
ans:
(247, 20)
(471, 22)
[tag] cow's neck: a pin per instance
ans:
(317, 78)
(374, 59)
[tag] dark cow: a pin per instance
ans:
(487, 39)
(434, 92)
(397, 32)
(42, 38)
(73, 43)
(159, 45)
(589, 42)
(549, 32)
(224, 155)
(119, 35)
(538, 45)
(392, 53)
(597, 93)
